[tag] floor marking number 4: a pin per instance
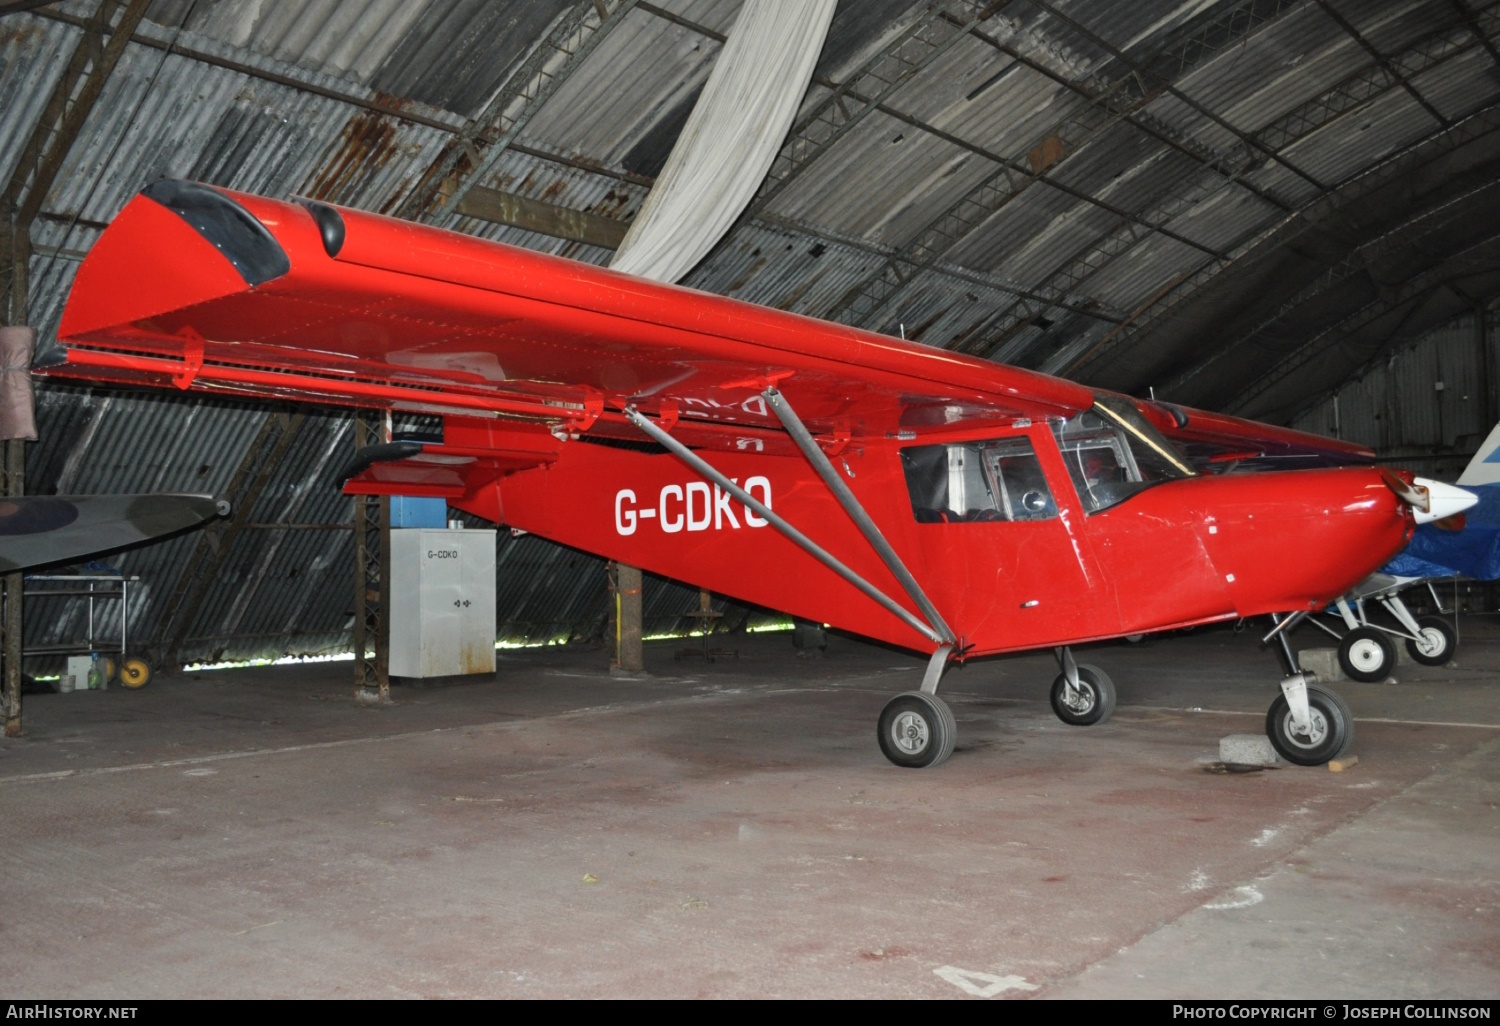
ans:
(981, 984)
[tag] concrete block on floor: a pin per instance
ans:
(1247, 750)
(1321, 662)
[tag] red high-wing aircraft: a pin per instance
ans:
(914, 495)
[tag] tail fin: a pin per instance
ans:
(1484, 468)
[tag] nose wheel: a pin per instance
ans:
(1327, 733)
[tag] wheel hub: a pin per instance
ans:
(1079, 699)
(1366, 656)
(1316, 731)
(910, 733)
(1430, 641)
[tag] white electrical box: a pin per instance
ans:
(442, 602)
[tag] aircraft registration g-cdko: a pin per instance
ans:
(909, 494)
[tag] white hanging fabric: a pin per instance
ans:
(731, 137)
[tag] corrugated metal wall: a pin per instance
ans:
(1427, 407)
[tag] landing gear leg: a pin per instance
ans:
(1308, 724)
(917, 729)
(1082, 695)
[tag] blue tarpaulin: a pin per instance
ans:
(1473, 552)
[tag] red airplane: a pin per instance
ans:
(914, 495)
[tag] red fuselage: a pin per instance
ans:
(1178, 553)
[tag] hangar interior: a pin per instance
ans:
(1283, 210)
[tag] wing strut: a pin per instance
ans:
(765, 512)
(840, 490)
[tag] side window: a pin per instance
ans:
(977, 481)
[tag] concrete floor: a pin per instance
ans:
(731, 830)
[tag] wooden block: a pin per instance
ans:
(1339, 765)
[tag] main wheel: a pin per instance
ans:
(1329, 736)
(917, 730)
(1434, 645)
(1366, 654)
(135, 673)
(1093, 702)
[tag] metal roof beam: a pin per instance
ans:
(69, 106)
(1382, 60)
(1356, 262)
(1122, 100)
(863, 92)
(1413, 288)
(469, 158)
(1350, 94)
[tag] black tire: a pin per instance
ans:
(1331, 736)
(916, 730)
(1438, 642)
(1367, 655)
(1096, 702)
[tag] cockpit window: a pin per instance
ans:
(1112, 452)
(977, 481)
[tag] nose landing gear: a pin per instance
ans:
(1308, 724)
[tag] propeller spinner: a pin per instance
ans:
(1429, 500)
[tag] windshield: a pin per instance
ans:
(1112, 452)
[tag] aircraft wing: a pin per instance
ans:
(38, 530)
(221, 291)
(1217, 442)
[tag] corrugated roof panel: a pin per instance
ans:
(1225, 216)
(1033, 236)
(640, 72)
(34, 53)
(860, 28)
(1142, 271)
(1392, 28)
(462, 51)
(1053, 42)
(1072, 340)
(1284, 184)
(1350, 143)
(330, 36)
(1137, 29)
(780, 268)
(915, 176)
(1127, 169)
(1182, 121)
(937, 311)
(1287, 61)
(174, 117)
(1463, 84)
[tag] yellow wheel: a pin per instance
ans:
(135, 673)
(109, 670)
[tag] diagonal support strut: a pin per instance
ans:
(765, 512)
(862, 520)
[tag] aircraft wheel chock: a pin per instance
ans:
(1367, 655)
(1092, 703)
(135, 673)
(1436, 643)
(917, 730)
(1330, 735)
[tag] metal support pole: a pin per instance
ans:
(630, 654)
(862, 520)
(372, 561)
(765, 512)
(18, 255)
